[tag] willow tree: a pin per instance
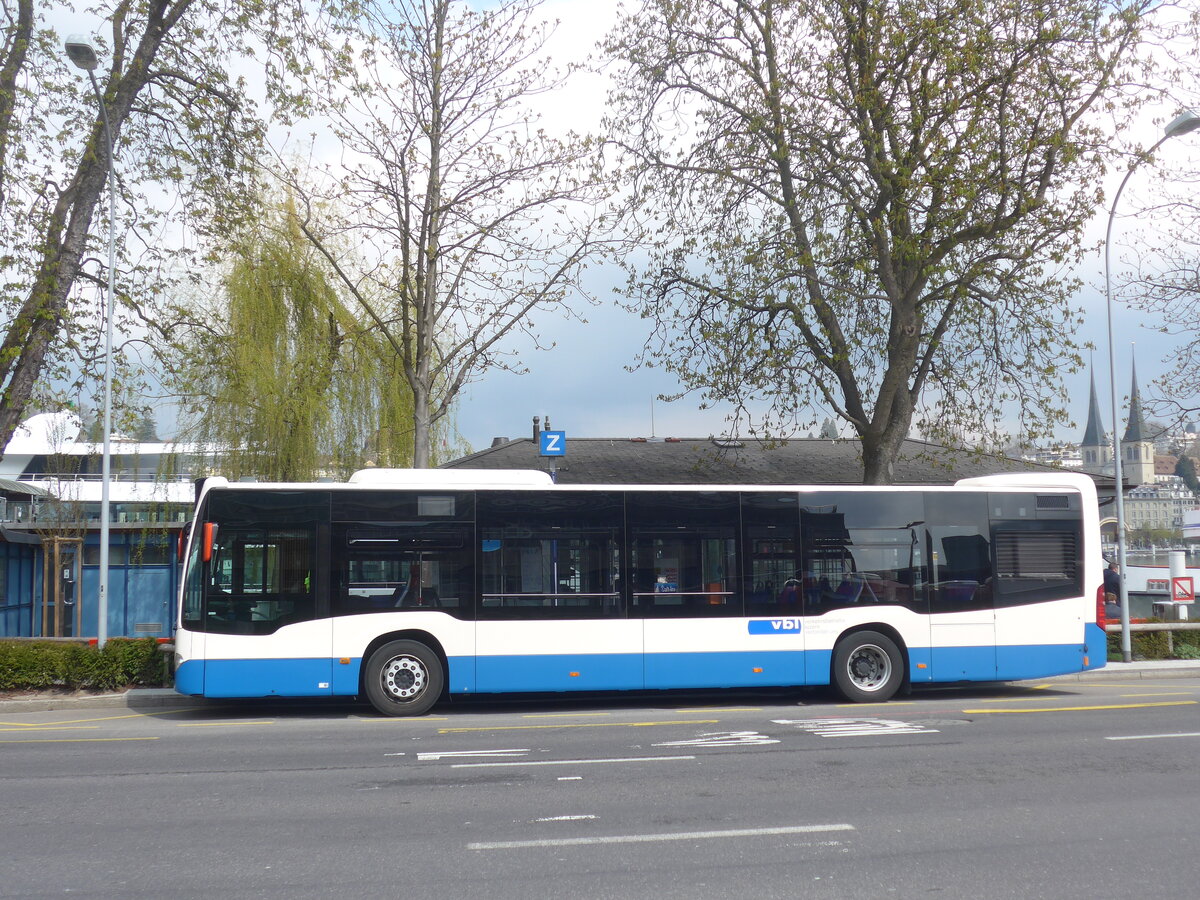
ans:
(277, 377)
(183, 131)
(475, 215)
(867, 206)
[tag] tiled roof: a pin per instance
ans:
(714, 461)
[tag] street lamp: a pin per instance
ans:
(80, 51)
(1185, 122)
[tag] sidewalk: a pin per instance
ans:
(165, 698)
(1156, 668)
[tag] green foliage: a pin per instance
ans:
(1185, 468)
(1154, 645)
(43, 665)
(870, 207)
(279, 374)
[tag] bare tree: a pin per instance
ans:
(870, 207)
(178, 118)
(469, 215)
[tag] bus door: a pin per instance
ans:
(424, 569)
(685, 586)
(550, 616)
(267, 634)
(961, 588)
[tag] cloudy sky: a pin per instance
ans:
(583, 383)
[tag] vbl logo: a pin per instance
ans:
(775, 626)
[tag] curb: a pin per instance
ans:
(137, 698)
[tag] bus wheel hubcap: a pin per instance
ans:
(404, 677)
(869, 667)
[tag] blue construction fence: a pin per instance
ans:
(143, 579)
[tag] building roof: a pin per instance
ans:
(748, 461)
(8, 486)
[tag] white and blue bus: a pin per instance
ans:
(405, 587)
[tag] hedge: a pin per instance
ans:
(1153, 645)
(48, 665)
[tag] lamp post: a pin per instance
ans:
(1185, 122)
(81, 52)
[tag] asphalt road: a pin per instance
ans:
(1062, 790)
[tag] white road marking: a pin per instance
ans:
(571, 778)
(1152, 737)
(564, 819)
(461, 754)
(654, 838)
(723, 739)
(571, 762)
(855, 727)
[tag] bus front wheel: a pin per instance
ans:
(867, 666)
(404, 678)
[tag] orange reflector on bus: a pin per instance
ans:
(574, 674)
(345, 661)
(1085, 661)
(921, 666)
(757, 670)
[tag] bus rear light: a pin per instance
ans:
(1101, 617)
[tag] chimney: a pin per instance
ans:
(537, 430)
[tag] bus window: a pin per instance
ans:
(259, 579)
(683, 552)
(403, 566)
(1037, 561)
(773, 579)
(550, 557)
(960, 552)
(862, 548)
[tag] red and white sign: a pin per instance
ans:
(1183, 589)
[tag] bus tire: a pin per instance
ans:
(404, 678)
(867, 666)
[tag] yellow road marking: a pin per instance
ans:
(93, 719)
(40, 728)
(219, 724)
(1015, 700)
(79, 740)
(1084, 708)
(1163, 694)
(579, 725)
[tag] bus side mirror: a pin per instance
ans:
(209, 536)
(181, 541)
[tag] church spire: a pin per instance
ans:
(1136, 430)
(1093, 434)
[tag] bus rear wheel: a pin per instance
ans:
(867, 666)
(404, 678)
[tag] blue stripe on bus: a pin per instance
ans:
(632, 671)
(1097, 645)
(268, 677)
(778, 668)
(559, 672)
(189, 677)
